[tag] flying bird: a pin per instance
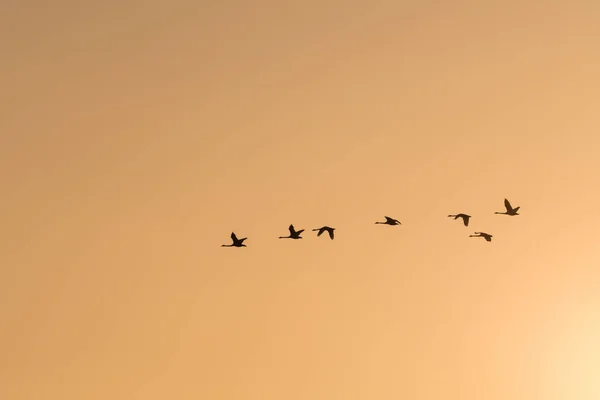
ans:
(390, 221)
(487, 236)
(323, 229)
(236, 242)
(509, 209)
(294, 234)
(464, 217)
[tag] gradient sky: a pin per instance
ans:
(136, 135)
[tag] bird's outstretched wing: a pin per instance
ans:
(466, 220)
(242, 240)
(233, 237)
(320, 232)
(300, 231)
(331, 233)
(291, 228)
(507, 205)
(389, 219)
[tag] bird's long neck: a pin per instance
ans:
(380, 222)
(498, 212)
(226, 245)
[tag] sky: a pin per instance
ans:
(135, 136)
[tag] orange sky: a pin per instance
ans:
(135, 136)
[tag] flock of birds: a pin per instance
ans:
(295, 234)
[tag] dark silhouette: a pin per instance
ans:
(509, 209)
(236, 242)
(296, 234)
(390, 221)
(464, 217)
(487, 236)
(323, 229)
(293, 233)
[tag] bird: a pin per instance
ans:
(464, 217)
(509, 209)
(390, 221)
(323, 229)
(294, 234)
(487, 236)
(236, 242)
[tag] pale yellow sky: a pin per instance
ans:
(135, 136)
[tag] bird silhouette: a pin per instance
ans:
(294, 234)
(236, 242)
(464, 217)
(390, 221)
(323, 229)
(487, 236)
(509, 209)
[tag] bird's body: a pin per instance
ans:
(390, 221)
(294, 234)
(484, 235)
(323, 229)
(509, 209)
(464, 217)
(236, 242)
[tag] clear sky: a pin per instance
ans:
(135, 136)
